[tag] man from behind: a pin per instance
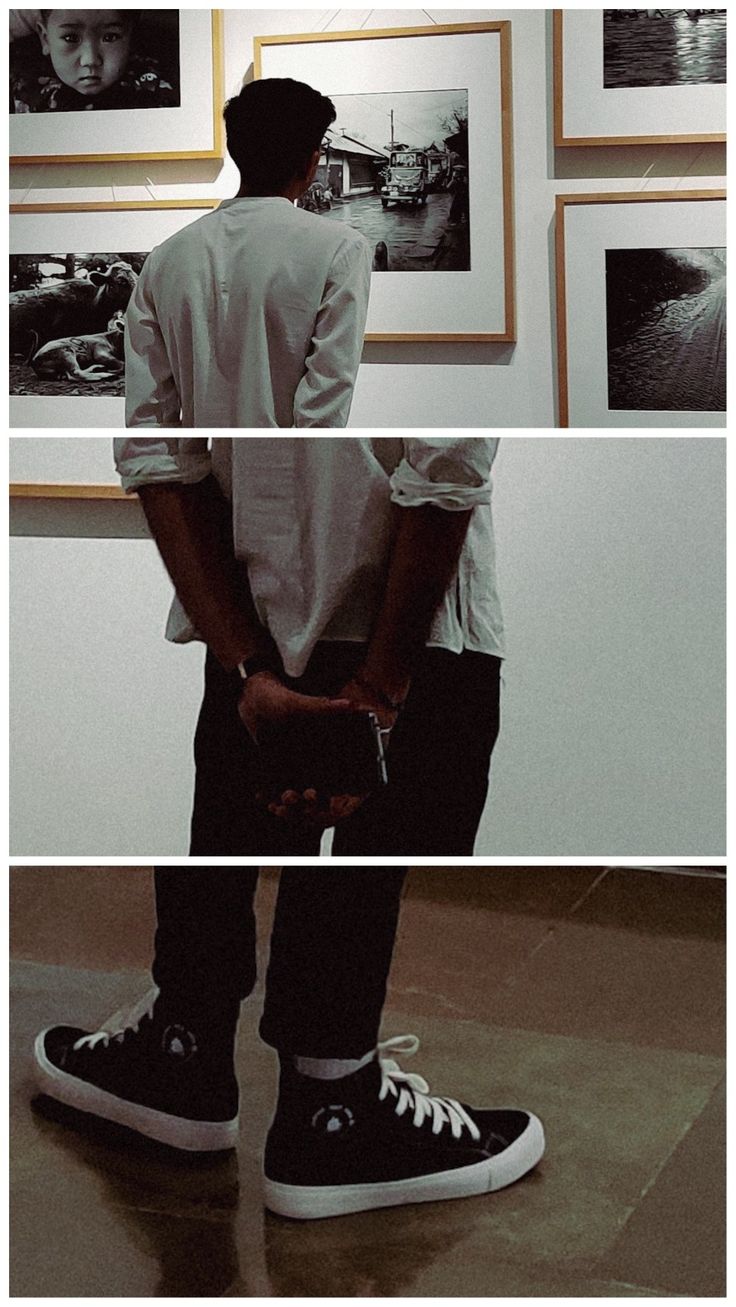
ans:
(254, 315)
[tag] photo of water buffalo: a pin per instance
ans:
(664, 47)
(72, 60)
(66, 322)
(666, 324)
(395, 166)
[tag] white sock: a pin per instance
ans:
(331, 1068)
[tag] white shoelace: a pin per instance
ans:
(412, 1091)
(126, 1019)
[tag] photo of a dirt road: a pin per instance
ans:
(395, 166)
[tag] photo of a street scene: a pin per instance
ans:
(664, 47)
(395, 166)
(666, 324)
(66, 322)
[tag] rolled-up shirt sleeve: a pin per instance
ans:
(449, 472)
(150, 460)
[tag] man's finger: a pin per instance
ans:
(344, 805)
(320, 705)
(308, 809)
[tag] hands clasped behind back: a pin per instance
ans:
(315, 750)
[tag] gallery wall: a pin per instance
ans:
(612, 570)
(441, 384)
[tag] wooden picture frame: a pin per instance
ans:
(60, 491)
(198, 118)
(625, 117)
(66, 467)
(84, 228)
(474, 301)
(581, 301)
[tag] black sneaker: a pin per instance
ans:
(377, 1138)
(156, 1069)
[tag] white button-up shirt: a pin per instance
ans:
(252, 316)
(311, 520)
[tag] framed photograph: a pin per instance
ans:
(639, 76)
(94, 85)
(73, 269)
(641, 309)
(419, 159)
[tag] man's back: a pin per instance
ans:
(252, 316)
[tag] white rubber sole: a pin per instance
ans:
(177, 1132)
(313, 1202)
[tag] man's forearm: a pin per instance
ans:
(192, 526)
(426, 547)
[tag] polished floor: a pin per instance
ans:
(596, 997)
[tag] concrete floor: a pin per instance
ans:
(594, 997)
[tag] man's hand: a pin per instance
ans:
(308, 809)
(364, 699)
(264, 704)
(266, 701)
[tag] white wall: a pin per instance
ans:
(612, 567)
(458, 385)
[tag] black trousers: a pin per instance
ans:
(331, 947)
(438, 763)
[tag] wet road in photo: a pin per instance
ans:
(419, 239)
(677, 364)
(673, 50)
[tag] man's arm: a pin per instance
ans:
(427, 543)
(192, 526)
(325, 392)
(435, 489)
(151, 397)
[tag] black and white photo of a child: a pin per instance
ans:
(67, 60)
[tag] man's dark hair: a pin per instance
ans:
(273, 127)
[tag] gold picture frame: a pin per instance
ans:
(562, 203)
(561, 139)
(215, 151)
(103, 206)
(506, 333)
(59, 490)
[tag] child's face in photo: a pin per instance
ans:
(88, 48)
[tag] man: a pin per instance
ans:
(254, 315)
(330, 577)
(351, 1130)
